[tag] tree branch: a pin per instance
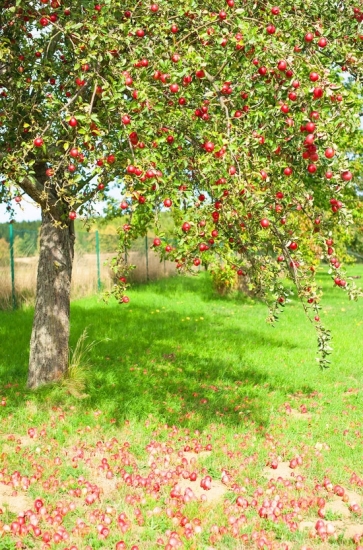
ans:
(82, 89)
(36, 189)
(221, 99)
(93, 99)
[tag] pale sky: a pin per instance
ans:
(27, 210)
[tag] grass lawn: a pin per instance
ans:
(184, 382)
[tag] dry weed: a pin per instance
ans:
(84, 277)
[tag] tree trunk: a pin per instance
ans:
(50, 334)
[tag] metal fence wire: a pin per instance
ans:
(19, 253)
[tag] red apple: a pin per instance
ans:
(174, 88)
(346, 175)
(38, 142)
(73, 122)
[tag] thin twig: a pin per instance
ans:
(222, 100)
(50, 41)
(192, 32)
(221, 69)
(131, 149)
(67, 105)
(93, 99)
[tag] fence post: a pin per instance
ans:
(12, 267)
(98, 261)
(147, 258)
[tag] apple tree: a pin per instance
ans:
(229, 114)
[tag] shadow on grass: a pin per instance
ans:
(197, 284)
(179, 372)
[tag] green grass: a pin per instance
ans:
(178, 355)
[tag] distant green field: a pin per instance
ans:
(179, 356)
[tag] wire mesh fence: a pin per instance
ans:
(19, 253)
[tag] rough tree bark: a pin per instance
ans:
(50, 334)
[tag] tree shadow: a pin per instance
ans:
(156, 365)
(196, 284)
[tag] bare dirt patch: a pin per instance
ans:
(354, 497)
(294, 413)
(337, 506)
(347, 526)
(12, 440)
(348, 529)
(193, 457)
(108, 486)
(214, 494)
(283, 470)
(13, 501)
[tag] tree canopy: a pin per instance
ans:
(242, 118)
